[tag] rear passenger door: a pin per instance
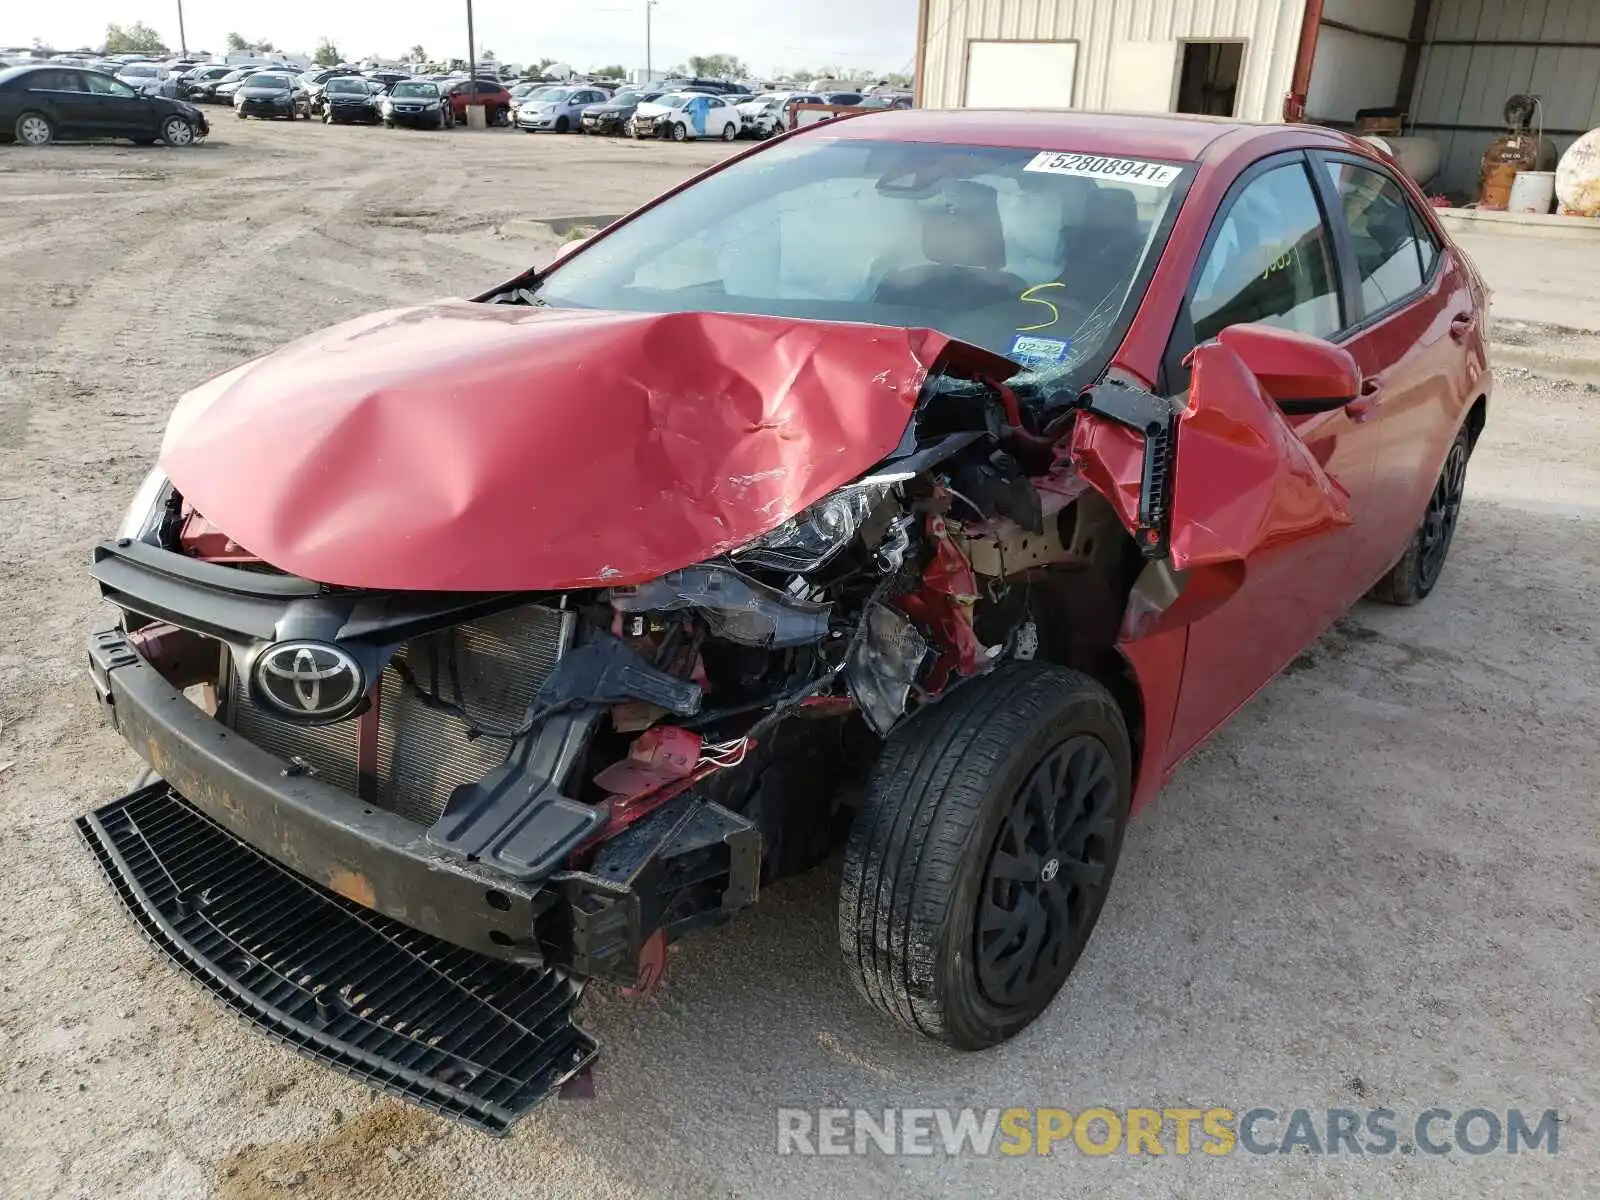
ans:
(63, 96)
(1411, 331)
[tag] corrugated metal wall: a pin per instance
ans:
(1468, 84)
(1270, 27)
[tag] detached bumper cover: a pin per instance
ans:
(471, 1037)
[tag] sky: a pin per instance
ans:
(875, 35)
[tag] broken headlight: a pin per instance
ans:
(810, 538)
(144, 514)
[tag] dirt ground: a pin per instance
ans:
(1378, 887)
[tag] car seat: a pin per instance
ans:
(966, 249)
(1102, 249)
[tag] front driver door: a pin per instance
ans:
(1270, 259)
(121, 111)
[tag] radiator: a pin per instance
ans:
(423, 751)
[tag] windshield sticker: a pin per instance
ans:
(1095, 166)
(1037, 352)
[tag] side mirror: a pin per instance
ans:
(1304, 374)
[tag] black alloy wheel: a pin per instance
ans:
(1444, 508)
(983, 851)
(1042, 885)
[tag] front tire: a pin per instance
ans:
(34, 129)
(1412, 578)
(729, 132)
(983, 852)
(680, 133)
(177, 133)
(562, 125)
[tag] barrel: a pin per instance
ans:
(1533, 192)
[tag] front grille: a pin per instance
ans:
(491, 667)
(468, 1036)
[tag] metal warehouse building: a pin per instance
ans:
(1448, 64)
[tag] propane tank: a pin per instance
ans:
(1519, 149)
(1578, 177)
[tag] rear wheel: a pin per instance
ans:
(34, 129)
(1414, 576)
(983, 852)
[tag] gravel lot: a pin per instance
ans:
(1378, 886)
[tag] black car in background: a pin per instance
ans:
(41, 104)
(202, 80)
(272, 94)
(349, 99)
(612, 116)
(220, 91)
(418, 103)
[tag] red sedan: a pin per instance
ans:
(927, 484)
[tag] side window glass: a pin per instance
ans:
(1426, 246)
(1271, 262)
(1387, 253)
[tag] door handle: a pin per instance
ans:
(1462, 324)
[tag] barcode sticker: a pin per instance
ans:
(1096, 166)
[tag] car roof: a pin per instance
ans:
(1178, 137)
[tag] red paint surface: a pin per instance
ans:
(474, 447)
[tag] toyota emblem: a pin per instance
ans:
(311, 681)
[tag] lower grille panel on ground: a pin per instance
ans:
(468, 1036)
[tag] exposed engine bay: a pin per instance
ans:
(525, 733)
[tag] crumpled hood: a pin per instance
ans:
(478, 447)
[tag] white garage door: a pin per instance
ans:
(1020, 74)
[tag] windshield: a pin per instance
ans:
(416, 91)
(677, 101)
(278, 82)
(352, 87)
(546, 93)
(1032, 255)
(137, 71)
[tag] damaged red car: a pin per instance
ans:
(925, 484)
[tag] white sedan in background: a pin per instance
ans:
(682, 116)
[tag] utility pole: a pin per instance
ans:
(472, 58)
(649, 75)
(183, 41)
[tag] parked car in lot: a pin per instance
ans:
(684, 116)
(350, 99)
(315, 81)
(990, 462)
(221, 91)
(612, 116)
(492, 97)
(556, 109)
(388, 78)
(39, 105)
(272, 94)
(418, 104)
(768, 113)
(143, 76)
(196, 79)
